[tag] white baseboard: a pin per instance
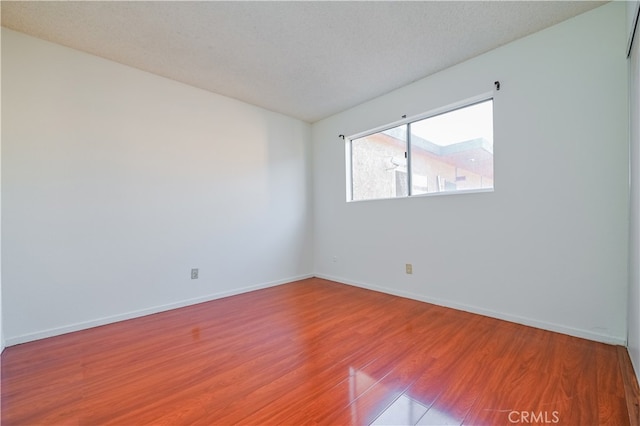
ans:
(585, 334)
(16, 340)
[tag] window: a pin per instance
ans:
(444, 153)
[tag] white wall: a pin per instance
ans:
(633, 343)
(2, 344)
(117, 182)
(632, 13)
(549, 247)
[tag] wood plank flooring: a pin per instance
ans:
(313, 352)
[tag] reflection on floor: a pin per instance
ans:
(314, 352)
(404, 410)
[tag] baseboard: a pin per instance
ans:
(440, 302)
(585, 334)
(16, 340)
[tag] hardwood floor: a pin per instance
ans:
(313, 352)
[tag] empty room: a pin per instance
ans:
(333, 213)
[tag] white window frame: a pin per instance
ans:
(490, 96)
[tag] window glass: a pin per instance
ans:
(449, 152)
(379, 165)
(453, 151)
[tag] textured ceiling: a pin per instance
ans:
(305, 59)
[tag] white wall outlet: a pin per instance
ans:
(409, 268)
(335, 259)
(194, 274)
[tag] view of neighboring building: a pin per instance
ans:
(379, 162)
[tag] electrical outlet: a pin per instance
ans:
(194, 274)
(409, 268)
(335, 259)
